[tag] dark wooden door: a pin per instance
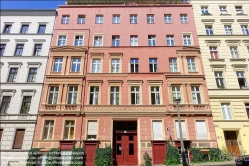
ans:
(90, 151)
(159, 152)
(231, 143)
(125, 149)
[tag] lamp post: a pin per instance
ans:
(184, 163)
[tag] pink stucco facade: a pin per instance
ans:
(111, 119)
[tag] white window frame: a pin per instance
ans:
(176, 91)
(81, 19)
(133, 19)
(96, 65)
(184, 18)
(214, 50)
(223, 9)
(116, 19)
(62, 39)
(157, 125)
(54, 93)
(74, 95)
(69, 126)
(228, 29)
(195, 93)
(234, 52)
(209, 30)
(115, 40)
(170, 40)
(167, 18)
(156, 91)
(204, 9)
(200, 134)
(219, 79)
(95, 94)
(151, 40)
(65, 19)
(191, 64)
(115, 66)
(99, 19)
(244, 29)
(50, 128)
(58, 64)
(136, 91)
(241, 74)
(184, 131)
(133, 60)
(187, 40)
(115, 92)
(79, 41)
(150, 19)
(134, 40)
(226, 111)
(173, 65)
(77, 63)
(154, 63)
(98, 41)
(239, 9)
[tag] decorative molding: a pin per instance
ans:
(116, 54)
(243, 20)
(68, 49)
(238, 59)
(95, 81)
(115, 81)
(21, 40)
(217, 60)
(155, 81)
(28, 91)
(15, 63)
(208, 20)
(39, 40)
(213, 42)
(218, 67)
(180, 80)
(97, 54)
(233, 42)
(13, 91)
(107, 74)
(135, 81)
(240, 67)
(227, 20)
(246, 42)
(34, 63)
(4, 40)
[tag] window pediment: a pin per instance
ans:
(239, 67)
(34, 64)
(68, 49)
(39, 40)
(243, 20)
(208, 20)
(4, 40)
(218, 67)
(246, 42)
(7, 92)
(135, 82)
(233, 42)
(227, 20)
(28, 92)
(213, 42)
(97, 54)
(15, 64)
(155, 82)
(21, 40)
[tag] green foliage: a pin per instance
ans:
(77, 157)
(33, 156)
(103, 157)
(53, 157)
(196, 155)
(172, 155)
(225, 155)
(147, 159)
(215, 154)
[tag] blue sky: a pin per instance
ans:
(31, 4)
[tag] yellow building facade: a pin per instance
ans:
(222, 27)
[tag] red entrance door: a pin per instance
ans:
(159, 152)
(125, 149)
(231, 142)
(90, 151)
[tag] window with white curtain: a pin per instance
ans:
(187, 40)
(176, 92)
(135, 95)
(92, 127)
(226, 111)
(53, 95)
(228, 29)
(234, 52)
(114, 100)
(69, 129)
(48, 129)
(150, 18)
(157, 130)
(170, 40)
(116, 19)
(196, 95)
(94, 95)
(184, 18)
(201, 130)
(58, 64)
(76, 64)
(72, 95)
(191, 64)
(115, 66)
(66, 157)
(98, 41)
(78, 41)
(99, 19)
(155, 95)
(173, 65)
(184, 133)
(167, 18)
(96, 65)
(134, 40)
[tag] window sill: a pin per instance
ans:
(238, 59)
(184, 22)
(207, 14)
(225, 14)
(168, 22)
(241, 14)
(217, 60)
(193, 72)
(53, 72)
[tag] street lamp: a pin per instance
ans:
(184, 163)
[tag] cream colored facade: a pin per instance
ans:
(230, 95)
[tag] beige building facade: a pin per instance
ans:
(222, 28)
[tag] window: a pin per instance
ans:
(191, 64)
(226, 111)
(184, 133)
(66, 157)
(116, 19)
(244, 29)
(18, 141)
(173, 65)
(170, 40)
(213, 52)
(99, 19)
(115, 40)
(53, 95)
(247, 111)
(151, 40)
(187, 40)
(19, 49)
(94, 95)
(92, 127)
(134, 65)
(228, 29)
(65, 19)
(62, 40)
(150, 19)
(155, 95)
(209, 30)
(196, 95)
(76, 64)
(48, 129)
(133, 19)
(69, 130)
(37, 49)
(157, 130)
(167, 18)
(32, 75)
(5, 104)
(26, 102)
(223, 10)
(115, 65)
(134, 40)
(135, 97)
(1, 134)
(184, 18)
(248, 49)
(153, 65)
(234, 52)
(57, 64)
(241, 79)
(78, 41)
(12, 74)
(24, 29)
(42, 29)
(72, 95)
(7, 29)
(96, 65)
(98, 41)
(114, 98)
(219, 79)
(2, 49)
(204, 10)
(81, 19)
(201, 130)
(239, 9)
(176, 93)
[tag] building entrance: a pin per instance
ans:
(232, 143)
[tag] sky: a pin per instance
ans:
(31, 4)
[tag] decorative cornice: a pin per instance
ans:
(21, 40)
(15, 63)
(217, 60)
(68, 49)
(4, 40)
(238, 59)
(227, 20)
(208, 20)
(106, 74)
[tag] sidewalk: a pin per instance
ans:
(225, 163)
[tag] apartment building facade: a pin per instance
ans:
(25, 42)
(222, 28)
(113, 73)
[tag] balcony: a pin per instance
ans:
(190, 109)
(60, 109)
